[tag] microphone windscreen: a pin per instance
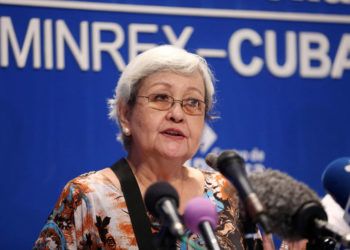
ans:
(282, 197)
(336, 180)
(156, 193)
(199, 210)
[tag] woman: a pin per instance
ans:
(161, 102)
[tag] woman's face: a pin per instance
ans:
(172, 133)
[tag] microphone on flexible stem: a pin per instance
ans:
(232, 166)
(200, 216)
(295, 211)
(336, 181)
(162, 201)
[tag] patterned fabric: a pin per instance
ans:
(91, 213)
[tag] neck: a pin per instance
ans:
(149, 170)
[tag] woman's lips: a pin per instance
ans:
(173, 133)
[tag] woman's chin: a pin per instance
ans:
(176, 153)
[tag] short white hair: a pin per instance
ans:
(160, 58)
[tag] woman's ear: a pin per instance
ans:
(124, 117)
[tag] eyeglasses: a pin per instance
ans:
(190, 106)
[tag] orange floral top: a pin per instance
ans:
(91, 213)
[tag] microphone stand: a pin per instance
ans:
(326, 238)
(321, 243)
(164, 240)
(250, 231)
(209, 237)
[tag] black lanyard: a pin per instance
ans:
(134, 202)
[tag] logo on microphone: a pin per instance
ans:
(254, 158)
(347, 168)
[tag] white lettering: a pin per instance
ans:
(134, 46)
(48, 44)
(342, 58)
(64, 36)
(248, 50)
(338, 1)
(235, 53)
(290, 64)
(112, 48)
(180, 41)
(318, 54)
(32, 39)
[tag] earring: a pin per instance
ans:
(126, 131)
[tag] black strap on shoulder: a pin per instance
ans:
(133, 198)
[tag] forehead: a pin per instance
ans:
(174, 81)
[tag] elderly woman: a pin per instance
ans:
(161, 102)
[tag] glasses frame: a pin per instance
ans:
(172, 103)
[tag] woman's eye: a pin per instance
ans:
(193, 102)
(160, 98)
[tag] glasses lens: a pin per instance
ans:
(193, 106)
(160, 101)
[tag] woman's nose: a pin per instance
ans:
(176, 112)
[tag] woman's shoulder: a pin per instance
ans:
(211, 176)
(84, 208)
(91, 191)
(93, 182)
(213, 181)
(216, 183)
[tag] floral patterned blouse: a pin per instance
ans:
(91, 213)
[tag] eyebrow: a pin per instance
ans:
(168, 85)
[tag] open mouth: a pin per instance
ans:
(173, 133)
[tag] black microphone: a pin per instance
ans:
(162, 201)
(232, 166)
(295, 211)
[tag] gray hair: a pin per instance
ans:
(160, 58)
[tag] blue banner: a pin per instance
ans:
(282, 70)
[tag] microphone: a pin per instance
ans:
(295, 211)
(201, 217)
(211, 160)
(162, 201)
(347, 212)
(336, 180)
(232, 166)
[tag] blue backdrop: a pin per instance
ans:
(283, 88)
